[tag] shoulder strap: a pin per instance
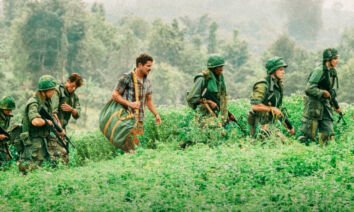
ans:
(136, 91)
(206, 76)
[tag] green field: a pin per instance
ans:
(218, 173)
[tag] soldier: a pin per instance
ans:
(267, 97)
(69, 104)
(39, 144)
(7, 104)
(320, 99)
(133, 92)
(208, 94)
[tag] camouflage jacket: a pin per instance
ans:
(63, 96)
(4, 120)
(31, 112)
(208, 86)
(268, 91)
(319, 80)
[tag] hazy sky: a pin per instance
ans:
(345, 4)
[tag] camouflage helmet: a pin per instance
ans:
(215, 60)
(329, 54)
(46, 82)
(7, 103)
(274, 63)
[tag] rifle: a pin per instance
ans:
(341, 118)
(2, 131)
(333, 100)
(286, 119)
(56, 129)
(231, 118)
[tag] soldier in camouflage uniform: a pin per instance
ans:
(39, 144)
(320, 99)
(66, 101)
(208, 94)
(267, 98)
(7, 104)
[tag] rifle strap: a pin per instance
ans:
(206, 105)
(136, 92)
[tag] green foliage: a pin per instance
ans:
(169, 92)
(346, 45)
(212, 42)
(234, 174)
(236, 53)
(41, 36)
(166, 42)
(12, 9)
(91, 147)
(304, 19)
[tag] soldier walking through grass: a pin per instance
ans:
(267, 100)
(321, 99)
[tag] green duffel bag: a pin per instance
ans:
(116, 122)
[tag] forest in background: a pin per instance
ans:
(224, 170)
(101, 41)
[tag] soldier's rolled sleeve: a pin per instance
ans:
(258, 93)
(122, 83)
(77, 107)
(195, 94)
(33, 112)
(148, 88)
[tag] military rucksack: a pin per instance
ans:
(206, 76)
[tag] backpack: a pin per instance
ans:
(204, 74)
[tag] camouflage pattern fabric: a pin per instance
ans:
(38, 142)
(268, 92)
(4, 123)
(318, 112)
(63, 96)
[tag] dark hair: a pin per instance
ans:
(143, 59)
(75, 77)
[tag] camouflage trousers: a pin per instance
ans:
(37, 150)
(263, 125)
(4, 155)
(310, 127)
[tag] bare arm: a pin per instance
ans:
(265, 108)
(152, 108)
(119, 99)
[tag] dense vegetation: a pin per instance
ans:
(223, 170)
(64, 36)
(232, 173)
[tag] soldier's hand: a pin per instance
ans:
(212, 104)
(158, 119)
(62, 133)
(67, 108)
(338, 110)
(292, 131)
(50, 122)
(134, 105)
(2, 136)
(326, 94)
(231, 117)
(276, 111)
